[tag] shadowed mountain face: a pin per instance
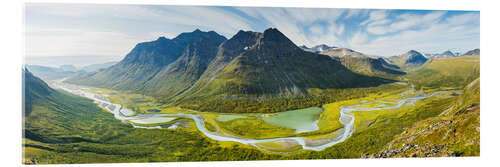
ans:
(474, 52)
(410, 59)
(148, 60)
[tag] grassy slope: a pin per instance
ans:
(455, 132)
(455, 72)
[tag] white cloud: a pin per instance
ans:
(317, 30)
(405, 21)
(463, 19)
(381, 33)
(435, 38)
(54, 38)
(296, 22)
(375, 15)
(69, 42)
(358, 39)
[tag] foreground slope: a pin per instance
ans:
(455, 132)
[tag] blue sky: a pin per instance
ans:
(113, 30)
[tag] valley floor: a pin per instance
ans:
(314, 128)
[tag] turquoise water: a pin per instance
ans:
(229, 117)
(302, 120)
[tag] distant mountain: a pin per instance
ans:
(160, 66)
(409, 59)
(432, 55)
(475, 52)
(96, 67)
(448, 54)
(444, 54)
(361, 63)
(317, 48)
(459, 122)
(51, 73)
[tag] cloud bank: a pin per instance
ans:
(111, 30)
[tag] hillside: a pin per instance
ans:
(363, 64)
(455, 132)
(455, 72)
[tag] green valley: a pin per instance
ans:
(255, 96)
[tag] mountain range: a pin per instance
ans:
(363, 64)
(206, 64)
(198, 66)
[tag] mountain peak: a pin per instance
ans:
(413, 52)
(161, 38)
(274, 34)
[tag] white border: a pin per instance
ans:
(12, 52)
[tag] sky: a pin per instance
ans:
(113, 30)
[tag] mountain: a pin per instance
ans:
(474, 52)
(181, 74)
(268, 63)
(150, 61)
(317, 48)
(51, 73)
(96, 67)
(361, 63)
(409, 59)
(447, 54)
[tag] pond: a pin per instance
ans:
(302, 120)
